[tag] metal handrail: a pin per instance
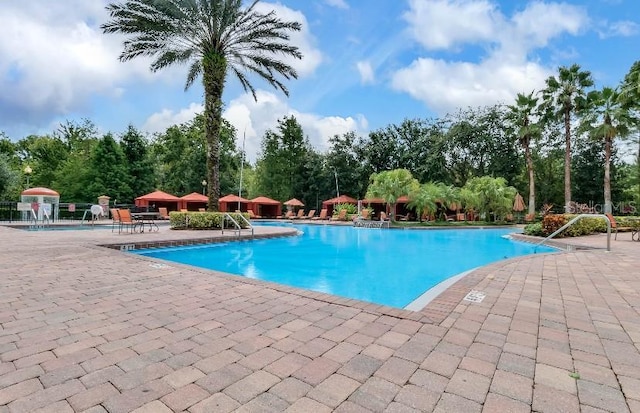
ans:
(230, 218)
(246, 221)
(576, 219)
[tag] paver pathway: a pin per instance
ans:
(85, 328)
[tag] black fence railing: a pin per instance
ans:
(66, 211)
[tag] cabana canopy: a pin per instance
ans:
(342, 199)
(193, 201)
(229, 203)
(159, 199)
(266, 207)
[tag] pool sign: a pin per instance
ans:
(24, 206)
(475, 296)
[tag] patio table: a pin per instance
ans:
(146, 218)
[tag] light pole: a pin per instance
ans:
(204, 185)
(335, 173)
(27, 172)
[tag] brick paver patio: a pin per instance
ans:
(87, 328)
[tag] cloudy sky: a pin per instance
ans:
(366, 64)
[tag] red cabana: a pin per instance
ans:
(230, 203)
(266, 207)
(159, 199)
(342, 199)
(193, 201)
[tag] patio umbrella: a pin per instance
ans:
(293, 202)
(518, 203)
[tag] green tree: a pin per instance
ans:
(214, 37)
(563, 97)
(108, 171)
(494, 197)
(423, 198)
(44, 154)
(9, 179)
(521, 115)
(140, 171)
(344, 162)
(282, 156)
(391, 185)
(607, 118)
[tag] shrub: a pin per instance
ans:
(534, 229)
(553, 222)
(204, 220)
(351, 209)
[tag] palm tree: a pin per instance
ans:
(423, 199)
(520, 115)
(391, 185)
(215, 37)
(563, 97)
(607, 118)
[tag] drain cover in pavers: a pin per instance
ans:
(475, 296)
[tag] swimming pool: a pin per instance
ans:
(391, 267)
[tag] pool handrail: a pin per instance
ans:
(576, 219)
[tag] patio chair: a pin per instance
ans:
(364, 214)
(342, 216)
(163, 213)
(115, 216)
(289, 215)
(126, 220)
(252, 214)
(383, 216)
(311, 214)
(323, 215)
(202, 209)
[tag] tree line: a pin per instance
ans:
(526, 143)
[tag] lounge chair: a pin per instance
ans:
(342, 216)
(310, 215)
(300, 214)
(289, 215)
(323, 215)
(364, 214)
(163, 213)
(252, 214)
(202, 209)
(383, 216)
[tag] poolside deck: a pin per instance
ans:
(87, 328)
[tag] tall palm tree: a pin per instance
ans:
(423, 199)
(564, 96)
(214, 37)
(521, 115)
(607, 118)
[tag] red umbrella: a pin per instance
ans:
(293, 202)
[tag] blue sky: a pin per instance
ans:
(367, 64)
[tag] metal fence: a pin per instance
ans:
(66, 211)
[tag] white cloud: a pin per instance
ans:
(624, 28)
(52, 58)
(504, 70)
(160, 121)
(441, 24)
(311, 56)
(366, 72)
(341, 4)
(254, 118)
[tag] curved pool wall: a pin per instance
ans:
(380, 266)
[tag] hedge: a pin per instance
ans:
(204, 220)
(585, 226)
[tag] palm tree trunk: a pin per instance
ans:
(567, 159)
(532, 186)
(214, 73)
(607, 173)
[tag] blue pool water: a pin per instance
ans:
(391, 267)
